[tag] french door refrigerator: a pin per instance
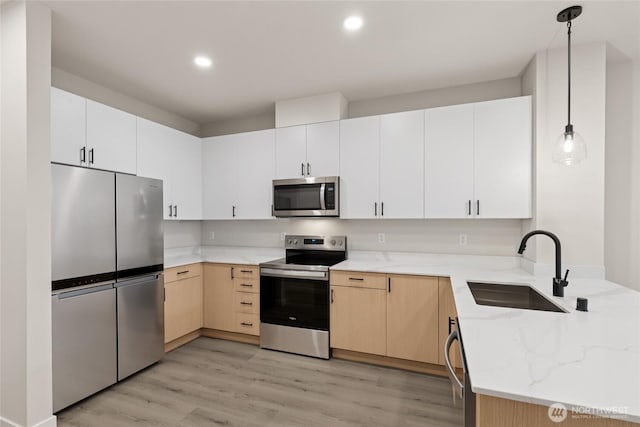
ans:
(107, 283)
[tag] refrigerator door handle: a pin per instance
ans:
(138, 280)
(85, 291)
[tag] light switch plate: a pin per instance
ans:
(462, 240)
(381, 238)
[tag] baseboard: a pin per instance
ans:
(230, 336)
(391, 362)
(48, 422)
(172, 345)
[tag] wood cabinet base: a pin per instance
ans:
(497, 412)
(230, 336)
(178, 342)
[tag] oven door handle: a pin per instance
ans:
(323, 194)
(457, 386)
(296, 274)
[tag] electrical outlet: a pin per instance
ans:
(282, 235)
(462, 240)
(381, 238)
(212, 235)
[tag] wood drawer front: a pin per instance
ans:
(245, 302)
(182, 272)
(359, 279)
(250, 284)
(248, 323)
(246, 272)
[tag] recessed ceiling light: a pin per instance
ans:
(352, 23)
(202, 61)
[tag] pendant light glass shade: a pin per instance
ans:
(570, 148)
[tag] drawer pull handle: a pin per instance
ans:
(245, 285)
(358, 279)
(246, 324)
(246, 303)
(183, 272)
(246, 271)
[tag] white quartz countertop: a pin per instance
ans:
(584, 360)
(220, 254)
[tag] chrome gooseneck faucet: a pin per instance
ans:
(558, 282)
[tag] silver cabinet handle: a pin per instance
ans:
(91, 156)
(170, 211)
(175, 211)
(455, 382)
(302, 169)
(308, 169)
(83, 152)
(375, 208)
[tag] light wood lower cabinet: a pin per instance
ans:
(412, 318)
(358, 319)
(447, 318)
(232, 298)
(183, 301)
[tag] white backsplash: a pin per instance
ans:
(182, 234)
(484, 237)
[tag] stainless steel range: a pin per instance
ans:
(294, 295)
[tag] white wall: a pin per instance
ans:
(485, 237)
(474, 92)
(72, 83)
(634, 254)
(182, 234)
(619, 187)
(25, 248)
(570, 200)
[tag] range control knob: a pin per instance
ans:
(295, 242)
(289, 241)
(333, 243)
(339, 242)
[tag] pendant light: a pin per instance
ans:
(570, 148)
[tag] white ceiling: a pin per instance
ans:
(266, 51)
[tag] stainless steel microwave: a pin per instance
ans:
(306, 197)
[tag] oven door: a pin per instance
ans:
(304, 197)
(295, 298)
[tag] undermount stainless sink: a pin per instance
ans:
(512, 296)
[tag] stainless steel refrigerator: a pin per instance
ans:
(107, 282)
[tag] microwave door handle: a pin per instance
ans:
(323, 194)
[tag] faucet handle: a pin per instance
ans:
(565, 277)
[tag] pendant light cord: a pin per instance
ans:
(569, 74)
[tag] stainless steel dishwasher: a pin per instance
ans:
(84, 337)
(140, 323)
(462, 389)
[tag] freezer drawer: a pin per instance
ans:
(140, 323)
(83, 343)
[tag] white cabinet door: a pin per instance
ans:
(448, 162)
(111, 138)
(503, 158)
(402, 165)
(323, 149)
(255, 154)
(186, 164)
(359, 172)
(155, 151)
(291, 152)
(218, 174)
(68, 127)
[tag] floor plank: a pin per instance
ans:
(215, 382)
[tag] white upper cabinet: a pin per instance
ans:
(111, 138)
(449, 162)
(68, 128)
(402, 165)
(359, 167)
(291, 152)
(308, 150)
(87, 133)
(174, 157)
(323, 149)
(237, 174)
(478, 160)
(503, 170)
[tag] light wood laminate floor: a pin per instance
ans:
(214, 382)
